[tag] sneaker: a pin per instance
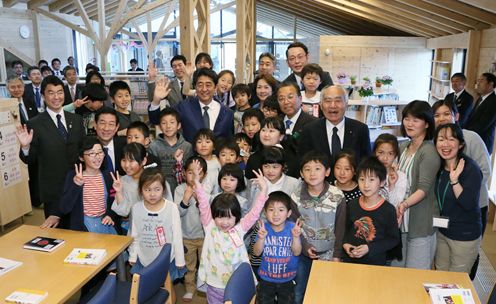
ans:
(188, 297)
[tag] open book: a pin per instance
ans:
(449, 293)
(7, 265)
(86, 256)
(26, 296)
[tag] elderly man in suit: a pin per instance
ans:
(334, 131)
(297, 57)
(463, 100)
(72, 90)
(198, 112)
(483, 118)
(52, 141)
(178, 64)
(289, 98)
(27, 110)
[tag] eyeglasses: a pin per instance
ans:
(300, 57)
(94, 154)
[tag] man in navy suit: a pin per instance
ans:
(198, 112)
(334, 132)
(297, 57)
(483, 117)
(52, 141)
(463, 100)
(32, 91)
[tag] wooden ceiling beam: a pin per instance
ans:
(311, 12)
(474, 24)
(387, 18)
(427, 15)
(339, 18)
(420, 19)
(9, 3)
(58, 5)
(35, 3)
(403, 27)
(488, 5)
(465, 9)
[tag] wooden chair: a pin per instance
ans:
(240, 288)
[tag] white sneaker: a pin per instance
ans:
(188, 297)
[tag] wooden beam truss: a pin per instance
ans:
(246, 24)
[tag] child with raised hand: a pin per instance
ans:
(155, 222)
(223, 248)
(86, 194)
(279, 244)
(231, 180)
(344, 172)
(371, 224)
(193, 235)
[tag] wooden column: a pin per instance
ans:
(472, 60)
(194, 41)
(36, 36)
(245, 40)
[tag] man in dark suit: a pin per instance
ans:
(18, 69)
(289, 98)
(335, 132)
(297, 57)
(197, 112)
(483, 117)
(463, 100)
(106, 126)
(178, 64)
(32, 91)
(134, 66)
(51, 140)
(27, 110)
(72, 90)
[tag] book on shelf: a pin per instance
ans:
(26, 296)
(42, 243)
(85, 256)
(7, 265)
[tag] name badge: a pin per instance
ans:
(238, 242)
(160, 231)
(440, 222)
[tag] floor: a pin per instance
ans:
(483, 283)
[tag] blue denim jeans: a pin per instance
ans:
(302, 274)
(94, 224)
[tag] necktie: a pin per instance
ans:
(206, 118)
(37, 97)
(336, 143)
(302, 88)
(60, 126)
(73, 93)
(109, 166)
(24, 118)
(181, 87)
(477, 103)
(288, 124)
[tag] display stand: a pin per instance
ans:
(14, 190)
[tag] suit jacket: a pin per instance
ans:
(356, 138)
(301, 122)
(464, 104)
(119, 143)
(67, 93)
(28, 97)
(31, 109)
(483, 121)
(326, 80)
(175, 95)
(53, 156)
(137, 70)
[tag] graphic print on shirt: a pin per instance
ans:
(365, 229)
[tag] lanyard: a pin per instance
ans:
(439, 201)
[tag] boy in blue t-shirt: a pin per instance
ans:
(279, 244)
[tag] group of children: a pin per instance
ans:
(198, 199)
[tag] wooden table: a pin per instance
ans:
(47, 271)
(332, 282)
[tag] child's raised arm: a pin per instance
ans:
(252, 216)
(203, 205)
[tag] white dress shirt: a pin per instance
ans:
(293, 119)
(53, 116)
(213, 112)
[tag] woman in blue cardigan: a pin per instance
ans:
(457, 191)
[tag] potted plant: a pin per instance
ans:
(353, 79)
(342, 78)
(378, 82)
